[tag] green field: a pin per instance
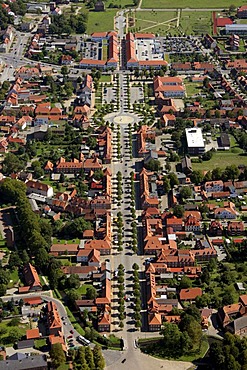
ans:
(196, 22)
(164, 22)
(196, 4)
(221, 159)
(101, 21)
(105, 78)
(151, 21)
(193, 88)
(120, 3)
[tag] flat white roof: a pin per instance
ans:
(194, 137)
(236, 27)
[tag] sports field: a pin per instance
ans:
(195, 4)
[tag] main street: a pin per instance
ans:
(131, 356)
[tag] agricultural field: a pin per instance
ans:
(196, 4)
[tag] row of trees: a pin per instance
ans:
(121, 307)
(84, 358)
(137, 295)
(231, 172)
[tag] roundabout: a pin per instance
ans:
(124, 119)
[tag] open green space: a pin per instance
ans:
(65, 241)
(120, 3)
(13, 279)
(195, 22)
(193, 88)
(74, 322)
(9, 334)
(150, 21)
(196, 4)
(221, 160)
(105, 78)
(197, 355)
(40, 343)
(101, 21)
(83, 288)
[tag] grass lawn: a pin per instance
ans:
(13, 279)
(120, 3)
(105, 78)
(40, 343)
(196, 22)
(6, 330)
(221, 160)
(83, 288)
(193, 88)
(74, 322)
(63, 367)
(64, 241)
(149, 21)
(163, 22)
(100, 21)
(196, 4)
(200, 354)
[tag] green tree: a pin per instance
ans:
(171, 340)
(185, 283)
(196, 177)
(98, 358)
(231, 172)
(12, 164)
(173, 179)
(14, 335)
(166, 184)
(57, 355)
(91, 293)
(89, 358)
(178, 211)
(185, 192)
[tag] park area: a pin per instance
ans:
(173, 22)
(196, 4)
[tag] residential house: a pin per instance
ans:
(54, 322)
(84, 272)
(39, 188)
(190, 294)
(235, 228)
(225, 213)
(31, 279)
(168, 87)
(216, 228)
(214, 186)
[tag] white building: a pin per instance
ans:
(195, 141)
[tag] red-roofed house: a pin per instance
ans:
(31, 279)
(189, 295)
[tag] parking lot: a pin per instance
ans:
(136, 95)
(149, 49)
(109, 95)
(179, 45)
(91, 50)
